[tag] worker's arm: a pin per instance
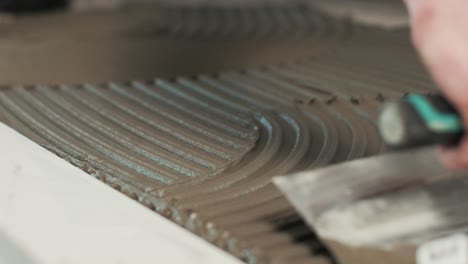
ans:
(440, 34)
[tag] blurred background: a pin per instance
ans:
(75, 41)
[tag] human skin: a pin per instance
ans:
(439, 30)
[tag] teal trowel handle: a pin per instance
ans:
(419, 120)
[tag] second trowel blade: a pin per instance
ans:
(379, 199)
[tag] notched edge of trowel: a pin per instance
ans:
(413, 181)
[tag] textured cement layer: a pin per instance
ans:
(77, 219)
(202, 149)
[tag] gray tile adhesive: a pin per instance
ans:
(202, 149)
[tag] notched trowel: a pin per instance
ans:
(404, 196)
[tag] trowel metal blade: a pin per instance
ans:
(356, 202)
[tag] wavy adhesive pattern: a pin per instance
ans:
(202, 150)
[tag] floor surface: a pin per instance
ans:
(191, 111)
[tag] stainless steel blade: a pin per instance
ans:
(401, 196)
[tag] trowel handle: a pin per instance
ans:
(420, 120)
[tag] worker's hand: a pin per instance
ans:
(440, 34)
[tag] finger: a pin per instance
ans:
(455, 158)
(440, 34)
(448, 158)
